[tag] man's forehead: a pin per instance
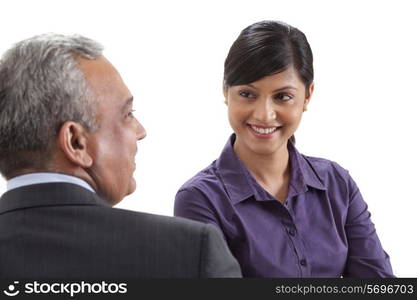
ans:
(103, 78)
(93, 69)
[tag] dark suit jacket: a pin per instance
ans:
(64, 230)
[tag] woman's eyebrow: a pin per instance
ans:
(291, 87)
(287, 87)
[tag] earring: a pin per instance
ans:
(305, 108)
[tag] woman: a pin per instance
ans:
(282, 214)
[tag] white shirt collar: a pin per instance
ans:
(36, 178)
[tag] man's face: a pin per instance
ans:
(113, 145)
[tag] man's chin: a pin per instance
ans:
(132, 186)
(129, 190)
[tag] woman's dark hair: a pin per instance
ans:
(266, 48)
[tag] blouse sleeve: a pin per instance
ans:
(192, 204)
(366, 258)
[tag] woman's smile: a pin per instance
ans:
(263, 132)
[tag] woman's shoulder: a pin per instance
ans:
(326, 169)
(204, 179)
(331, 175)
(205, 189)
(323, 163)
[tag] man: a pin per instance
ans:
(67, 148)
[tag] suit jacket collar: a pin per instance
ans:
(48, 194)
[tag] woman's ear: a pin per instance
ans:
(310, 94)
(73, 141)
(225, 95)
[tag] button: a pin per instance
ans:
(303, 262)
(292, 231)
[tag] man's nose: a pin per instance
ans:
(140, 131)
(265, 110)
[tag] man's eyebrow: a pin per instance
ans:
(127, 103)
(287, 87)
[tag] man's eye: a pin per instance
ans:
(246, 94)
(130, 114)
(283, 96)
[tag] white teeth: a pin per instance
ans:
(264, 130)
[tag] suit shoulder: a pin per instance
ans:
(134, 218)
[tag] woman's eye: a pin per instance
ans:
(283, 97)
(246, 94)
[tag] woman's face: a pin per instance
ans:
(264, 114)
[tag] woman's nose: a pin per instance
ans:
(264, 110)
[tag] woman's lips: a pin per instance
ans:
(265, 132)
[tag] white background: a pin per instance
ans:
(171, 56)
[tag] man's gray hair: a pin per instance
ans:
(41, 87)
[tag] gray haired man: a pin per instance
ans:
(67, 148)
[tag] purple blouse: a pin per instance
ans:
(323, 230)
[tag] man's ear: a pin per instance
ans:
(73, 141)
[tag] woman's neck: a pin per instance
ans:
(268, 169)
